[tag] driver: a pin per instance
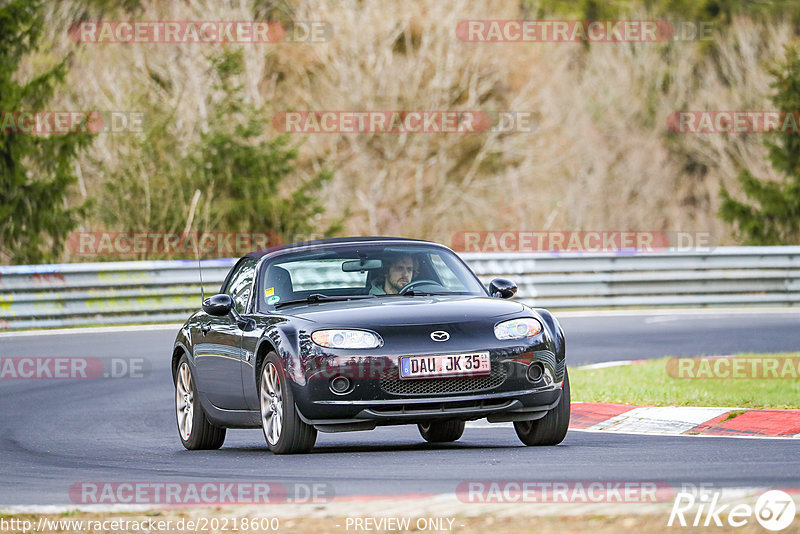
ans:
(398, 272)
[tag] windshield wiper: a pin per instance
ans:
(413, 293)
(319, 297)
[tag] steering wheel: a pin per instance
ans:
(416, 283)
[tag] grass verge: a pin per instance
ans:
(650, 384)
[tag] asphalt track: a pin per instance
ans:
(56, 433)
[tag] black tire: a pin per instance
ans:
(550, 429)
(441, 431)
(200, 434)
(294, 436)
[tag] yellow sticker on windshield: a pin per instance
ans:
(269, 292)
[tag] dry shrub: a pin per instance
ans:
(600, 156)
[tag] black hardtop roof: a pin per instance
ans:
(334, 241)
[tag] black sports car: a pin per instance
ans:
(347, 334)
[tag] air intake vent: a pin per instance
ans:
(433, 386)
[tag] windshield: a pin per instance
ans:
(362, 270)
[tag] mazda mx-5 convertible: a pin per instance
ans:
(346, 334)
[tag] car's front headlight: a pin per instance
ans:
(517, 329)
(347, 339)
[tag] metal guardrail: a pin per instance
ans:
(42, 296)
(72, 294)
(725, 276)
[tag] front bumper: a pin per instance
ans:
(379, 396)
(496, 408)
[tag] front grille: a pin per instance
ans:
(431, 386)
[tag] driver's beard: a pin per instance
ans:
(398, 286)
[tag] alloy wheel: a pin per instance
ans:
(271, 403)
(184, 400)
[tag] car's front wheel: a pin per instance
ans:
(441, 431)
(550, 429)
(194, 429)
(283, 429)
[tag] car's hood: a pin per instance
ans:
(396, 311)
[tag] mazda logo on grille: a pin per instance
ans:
(440, 335)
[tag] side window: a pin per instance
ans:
(241, 284)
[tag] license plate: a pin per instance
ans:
(472, 364)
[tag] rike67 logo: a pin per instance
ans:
(698, 507)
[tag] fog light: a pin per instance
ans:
(340, 385)
(535, 371)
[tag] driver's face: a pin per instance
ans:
(400, 274)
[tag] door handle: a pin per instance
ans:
(205, 328)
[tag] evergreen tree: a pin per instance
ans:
(771, 213)
(250, 174)
(236, 178)
(36, 171)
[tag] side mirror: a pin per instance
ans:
(218, 305)
(502, 288)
